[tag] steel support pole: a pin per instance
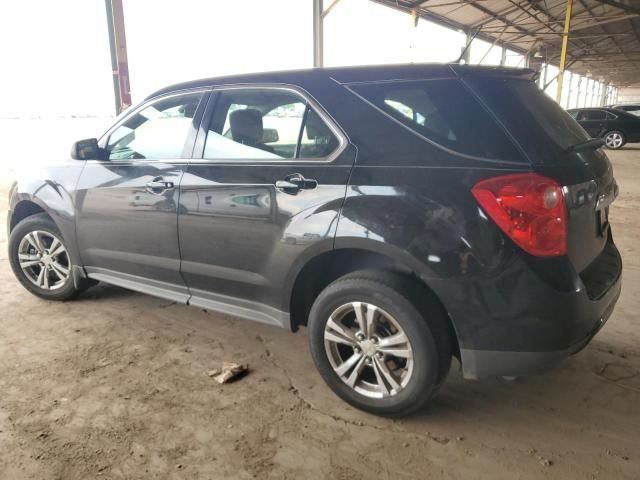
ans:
(563, 52)
(118, 47)
(114, 58)
(503, 56)
(318, 34)
(603, 94)
(466, 55)
(579, 91)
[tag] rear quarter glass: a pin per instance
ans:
(539, 124)
(445, 113)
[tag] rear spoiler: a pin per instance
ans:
(488, 71)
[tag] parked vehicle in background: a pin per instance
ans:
(615, 127)
(403, 214)
(632, 108)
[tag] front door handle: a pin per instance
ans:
(294, 183)
(158, 186)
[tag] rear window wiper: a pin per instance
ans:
(591, 143)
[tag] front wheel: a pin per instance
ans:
(374, 347)
(40, 259)
(614, 140)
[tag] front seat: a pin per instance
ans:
(246, 128)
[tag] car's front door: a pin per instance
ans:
(127, 204)
(267, 188)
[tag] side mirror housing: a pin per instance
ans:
(87, 149)
(270, 135)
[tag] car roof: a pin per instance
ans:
(606, 109)
(613, 111)
(352, 74)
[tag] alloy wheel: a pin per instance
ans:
(613, 140)
(44, 260)
(368, 349)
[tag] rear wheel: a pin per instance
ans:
(374, 347)
(40, 259)
(614, 140)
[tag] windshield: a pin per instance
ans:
(538, 123)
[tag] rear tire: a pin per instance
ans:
(614, 140)
(394, 363)
(40, 259)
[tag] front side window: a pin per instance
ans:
(157, 132)
(266, 124)
(445, 112)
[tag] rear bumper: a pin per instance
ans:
(479, 364)
(541, 323)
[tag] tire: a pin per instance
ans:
(614, 140)
(50, 284)
(400, 307)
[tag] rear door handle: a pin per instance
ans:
(286, 185)
(158, 186)
(295, 182)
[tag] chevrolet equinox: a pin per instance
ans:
(402, 214)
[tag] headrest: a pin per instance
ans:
(246, 125)
(315, 126)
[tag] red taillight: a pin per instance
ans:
(529, 208)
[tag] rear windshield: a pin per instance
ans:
(446, 113)
(538, 123)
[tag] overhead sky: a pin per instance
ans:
(55, 54)
(56, 60)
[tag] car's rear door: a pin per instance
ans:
(593, 121)
(265, 191)
(127, 204)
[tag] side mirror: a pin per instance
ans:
(270, 135)
(87, 149)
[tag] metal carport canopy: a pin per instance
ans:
(604, 39)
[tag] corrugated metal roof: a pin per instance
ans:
(604, 40)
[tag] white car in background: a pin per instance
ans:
(632, 108)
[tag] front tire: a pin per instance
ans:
(40, 258)
(614, 140)
(374, 346)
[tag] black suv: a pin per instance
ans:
(403, 214)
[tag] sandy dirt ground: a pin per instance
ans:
(114, 385)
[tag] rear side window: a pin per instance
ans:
(593, 115)
(539, 124)
(446, 113)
